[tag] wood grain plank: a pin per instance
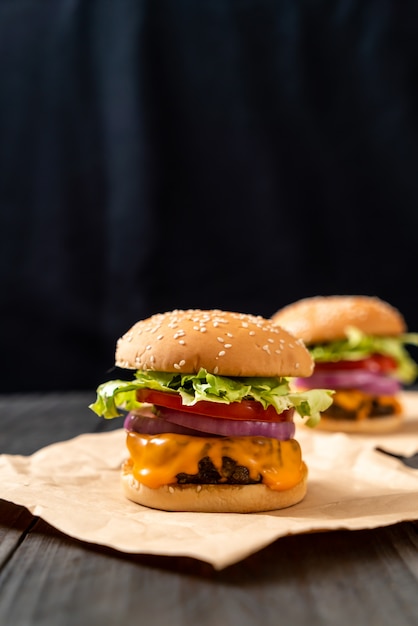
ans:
(47, 418)
(344, 577)
(15, 522)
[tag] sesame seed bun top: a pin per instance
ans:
(325, 318)
(222, 342)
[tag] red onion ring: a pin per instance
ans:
(228, 428)
(368, 382)
(137, 422)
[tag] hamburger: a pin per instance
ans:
(209, 412)
(358, 346)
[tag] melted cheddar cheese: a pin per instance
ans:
(362, 405)
(156, 460)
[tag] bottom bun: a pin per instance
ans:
(213, 498)
(373, 425)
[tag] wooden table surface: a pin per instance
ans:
(359, 577)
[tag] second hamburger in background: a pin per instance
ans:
(358, 345)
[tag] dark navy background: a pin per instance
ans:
(237, 154)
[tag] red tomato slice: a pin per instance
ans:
(374, 363)
(244, 410)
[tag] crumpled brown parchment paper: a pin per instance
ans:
(74, 486)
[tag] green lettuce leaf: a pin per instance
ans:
(115, 395)
(357, 345)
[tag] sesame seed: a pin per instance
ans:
(266, 348)
(216, 369)
(228, 345)
(270, 340)
(182, 362)
(171, 489)
(176, 366)
(221, 353)
(160, 337)
(199, 488)
(203, 329)
(148, 348)
(221, 339)
(182, 342)
(296, 365)
(252, 333)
